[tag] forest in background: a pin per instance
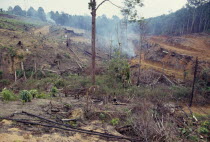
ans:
(189, 19)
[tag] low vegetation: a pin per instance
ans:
(149, 112)
(8, 95)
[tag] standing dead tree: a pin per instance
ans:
(142, 32)
(94, 8)
(129, 10)
(194, 80)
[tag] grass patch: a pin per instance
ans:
(43, 96)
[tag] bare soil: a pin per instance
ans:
(11, 131)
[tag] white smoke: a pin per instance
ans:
(48, 17)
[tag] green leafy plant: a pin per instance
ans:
(25, 96)
(194, 138)
(34, 93)
(8, 95)
(102, 116)
(119, 69)
(203, 130)
(54, 91)
(115, 121)
(60, 83)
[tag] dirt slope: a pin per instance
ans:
(175, 56)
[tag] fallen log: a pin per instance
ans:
(50, 71)
(90, 54)
(69, 128)
(168, 79)
(77, 58)
(66, 120)
(74, 130)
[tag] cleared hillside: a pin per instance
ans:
(42, 47)
(175, 55)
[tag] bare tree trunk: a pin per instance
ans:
(206, 24)
(15, 76)
(183, 29)
(200, 22)
(35, 70)
(110, 51)
(139, 69)
(194, 80)
(193, 21)
(93, 13)
(188, 22)
(24, 73)
(118, 39)
(141, 41)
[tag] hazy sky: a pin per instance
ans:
(152, 8)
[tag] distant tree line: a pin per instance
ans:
(104, 25)
(193, 18)
(31, 12)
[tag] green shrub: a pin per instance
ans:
(205, 127)
(60, 83)
(8, 95)
(25, 96)
(115, 121)
(34, 93)
(203, 130)
(54, 91)
(119, 69)
(102, 116)
(19, 73)
(5, 82)
(206, 124)
(194, 138)
(29, 73)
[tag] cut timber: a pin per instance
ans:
(156, 81)
(66, 120)
(77, 58)
(50, 71)
(90, 54)
(118, 103)
(168, 80)
(75, 54)
(79, 65)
